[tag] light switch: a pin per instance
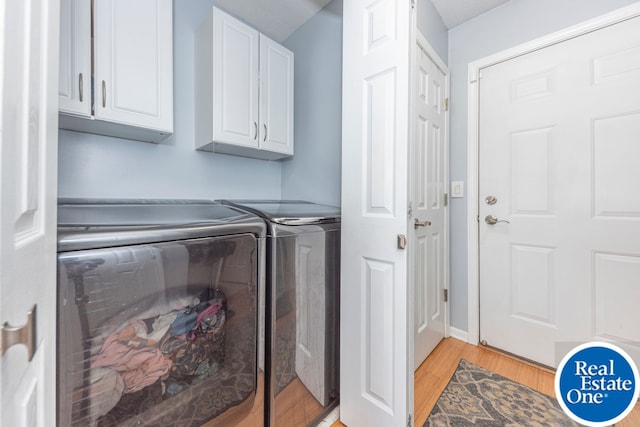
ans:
(457, 189)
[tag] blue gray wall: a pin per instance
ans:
(430, 24)
(313, 173)
(98, 166)
(508, 25)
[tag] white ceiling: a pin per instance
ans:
(280, 18)
(276, 18)
(455, 12)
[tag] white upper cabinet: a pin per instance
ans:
(132, 68)
(244, 90)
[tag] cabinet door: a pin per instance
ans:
(235, 81)
(74, 86)
(276, 97)
(133, 59)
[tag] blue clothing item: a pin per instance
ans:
(174, 389)
(185, 321)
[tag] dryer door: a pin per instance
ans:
(147, 331)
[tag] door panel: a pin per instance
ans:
(28, 188)
(75, 57)
(276, 96)
(428, 176)
(558, 149)
(134, 80)
(235, 81)
(376, 383)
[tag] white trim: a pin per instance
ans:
(473, 264)
(474, 69)
(330, 419)
(459, 334)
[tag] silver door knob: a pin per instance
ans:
(490, 219)
(417, 223)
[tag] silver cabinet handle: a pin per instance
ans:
(265, 132)
(81, 87)
(490, 219)
(417, 223)
(255, 130)
(104, 94)
(25, 334)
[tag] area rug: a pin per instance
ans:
(477, 397)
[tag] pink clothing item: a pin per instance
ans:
(147, 373)
(138, 360)
(212, 309)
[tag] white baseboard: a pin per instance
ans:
(458, 334)
(331, 418)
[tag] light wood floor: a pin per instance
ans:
(433, 376)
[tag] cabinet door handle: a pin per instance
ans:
(255, 130)
(81, 87)
(265, 132)
(104, 94)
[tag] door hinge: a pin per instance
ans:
(446, 104)
(410, 210)
(446, 199)
(409, 421)
(413, 4)
(446, 295)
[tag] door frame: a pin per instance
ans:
(423, 43)
(474, 71)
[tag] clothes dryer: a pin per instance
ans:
(303, 297)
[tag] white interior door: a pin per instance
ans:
(310, 313)
(376, 384)
(28, 181)
(428, 177)
(558, 150)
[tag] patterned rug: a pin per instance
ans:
(477, 397)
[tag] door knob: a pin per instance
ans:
(417, 223)
(490, 219)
